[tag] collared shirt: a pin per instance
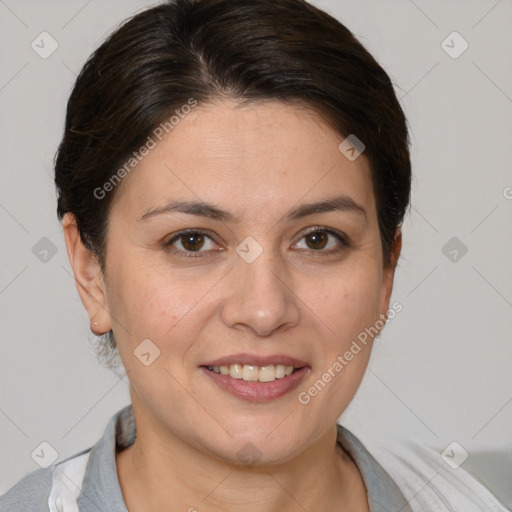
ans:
(88, 481)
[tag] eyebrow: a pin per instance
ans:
(341, 203)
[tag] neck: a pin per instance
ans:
(160, 470)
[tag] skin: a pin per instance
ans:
(256, 162)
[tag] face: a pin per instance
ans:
(258, 283)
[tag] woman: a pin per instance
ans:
(232, 181)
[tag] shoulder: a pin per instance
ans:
(431, 480)
(31, 493)
(79, 480)
(35, 491)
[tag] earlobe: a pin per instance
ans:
(88, 277)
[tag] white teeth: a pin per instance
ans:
(235, 371)
(267, 373)
(252, 373)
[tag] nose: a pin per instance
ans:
(261, 298)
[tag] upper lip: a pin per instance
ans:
(257, 360)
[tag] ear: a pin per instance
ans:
(88, 277)
(389, 273)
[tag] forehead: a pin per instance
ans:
(262, 156)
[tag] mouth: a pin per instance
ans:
(256, 379)
(253, 373)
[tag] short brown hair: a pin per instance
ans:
(249, 50)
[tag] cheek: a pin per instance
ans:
(149, 303)
(347, 308)
(347, 301)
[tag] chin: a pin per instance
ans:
(259, 445)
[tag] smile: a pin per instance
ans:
(256, 378)
(252, 373)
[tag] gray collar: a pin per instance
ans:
(101, 483)
(383, 493)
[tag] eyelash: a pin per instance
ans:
(317, 229)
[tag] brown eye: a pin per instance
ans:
(188, 242)
(192, 241)
(319, 240)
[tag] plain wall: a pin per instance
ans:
(440, 372)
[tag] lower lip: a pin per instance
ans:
(255, 391)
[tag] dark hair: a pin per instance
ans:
(248, 50)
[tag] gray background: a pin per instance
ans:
(441, 371)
